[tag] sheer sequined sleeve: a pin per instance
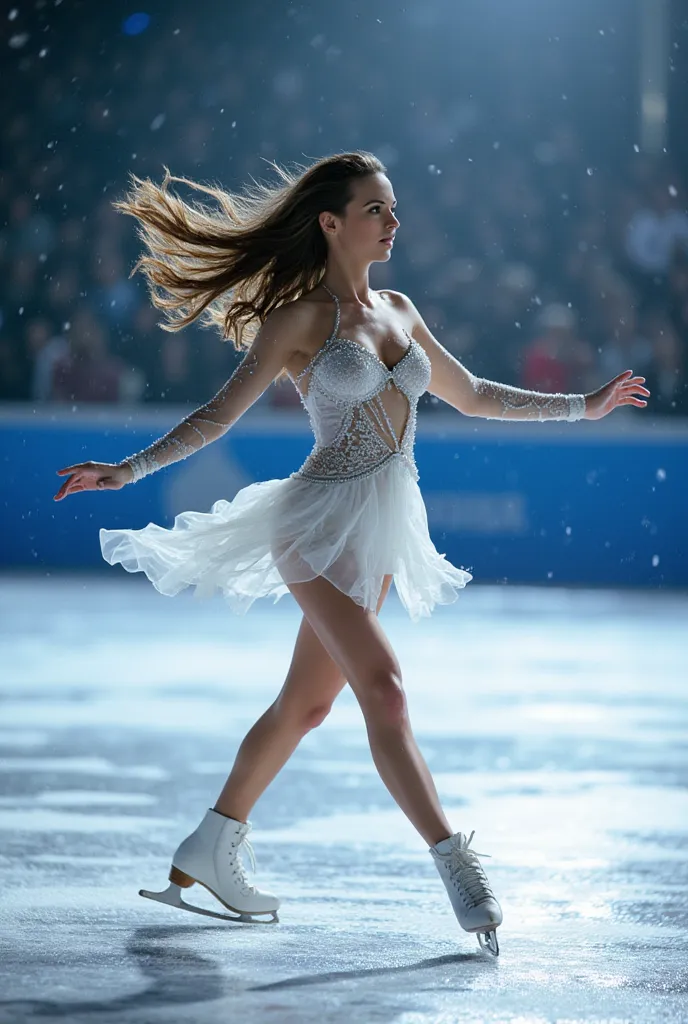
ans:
(205, 424)
(501, 401)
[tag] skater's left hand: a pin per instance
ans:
(622, 390)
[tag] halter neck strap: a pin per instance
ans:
(337, 315)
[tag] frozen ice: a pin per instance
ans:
(553, 722)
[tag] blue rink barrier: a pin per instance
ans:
(583, 503)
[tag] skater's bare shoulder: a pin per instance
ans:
(288, 334)
(311, 320)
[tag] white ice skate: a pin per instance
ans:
(210, 856)
(472, 898)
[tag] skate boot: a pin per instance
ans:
(473, 901)
(210, 856)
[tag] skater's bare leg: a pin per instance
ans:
(356, 642)
(310, 688)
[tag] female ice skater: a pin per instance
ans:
(280, 269)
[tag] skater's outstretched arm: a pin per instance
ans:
(475, 396)
(274, 344)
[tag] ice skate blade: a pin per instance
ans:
(488, 941)
(172, 896)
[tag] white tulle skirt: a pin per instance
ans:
(274, 532)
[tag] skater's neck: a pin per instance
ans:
(349, 288)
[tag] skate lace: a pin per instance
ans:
(466, 871)
(238, 868)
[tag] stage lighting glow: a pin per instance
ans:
(135, 24)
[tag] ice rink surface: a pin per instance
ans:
(555, 725)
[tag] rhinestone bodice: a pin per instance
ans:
(344, 399)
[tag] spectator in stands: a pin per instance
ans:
(557, 359)
(87, 372)
(626, 344)
(678, 295)
(15, 370)
(115, 296)
(654, 232)
(503, 326)
(173, 380)
(45, 349)
(669, 357)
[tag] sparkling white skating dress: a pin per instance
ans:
(352, 513)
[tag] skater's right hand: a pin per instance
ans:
(92, 476)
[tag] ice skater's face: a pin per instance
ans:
(368, 227)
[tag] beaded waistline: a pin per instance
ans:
(304, 474)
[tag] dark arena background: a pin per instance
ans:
(539, 154)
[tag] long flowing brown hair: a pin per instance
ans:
(233, 264)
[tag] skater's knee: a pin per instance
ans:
(301, 716)
(382, 697)
(316, 716)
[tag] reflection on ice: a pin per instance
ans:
(81, 766)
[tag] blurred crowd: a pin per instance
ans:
(533, 262)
